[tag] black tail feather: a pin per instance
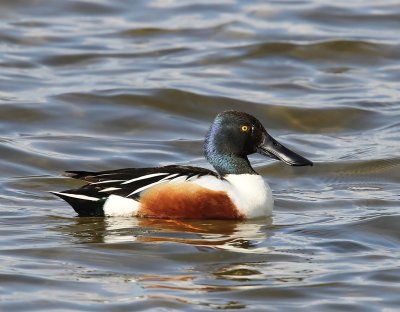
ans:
(83, 207)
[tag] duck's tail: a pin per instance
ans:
(84, 205)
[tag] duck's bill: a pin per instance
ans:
(272, 148)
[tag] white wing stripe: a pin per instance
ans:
(169, 177)
(108, 189)
(79, 196)
(146, 186)
(152, 175)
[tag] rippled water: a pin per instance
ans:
(101, 84)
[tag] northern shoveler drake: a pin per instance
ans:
(234, 191)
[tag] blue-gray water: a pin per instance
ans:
(102, 84)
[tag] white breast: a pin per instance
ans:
(251, 195)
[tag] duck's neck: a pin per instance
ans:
(231, 164)
(227, 163)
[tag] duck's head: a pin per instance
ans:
(234, 135)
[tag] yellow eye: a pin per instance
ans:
(244, 128)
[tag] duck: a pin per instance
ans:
(233, 191)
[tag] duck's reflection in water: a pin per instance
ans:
(175, 260)
(226, 234)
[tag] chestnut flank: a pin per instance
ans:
(186, 201)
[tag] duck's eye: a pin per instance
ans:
(244, 128)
